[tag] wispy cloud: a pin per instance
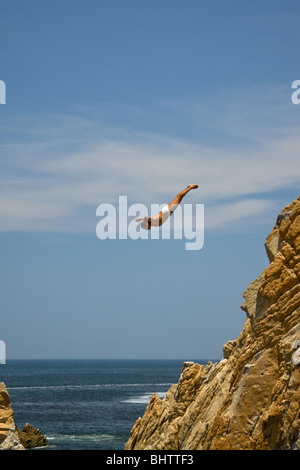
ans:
(65, 166)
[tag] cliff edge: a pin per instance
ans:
(9, 436)
(12, 438)
(251, 398)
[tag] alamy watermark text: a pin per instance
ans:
(2, 352)
(187, 221)
(296, 94)
(2, 92)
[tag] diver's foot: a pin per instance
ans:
(193, 186)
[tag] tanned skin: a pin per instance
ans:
(159, 219)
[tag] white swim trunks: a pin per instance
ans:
(165, 214)
(165, 209)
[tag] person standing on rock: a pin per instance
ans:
(166, 212)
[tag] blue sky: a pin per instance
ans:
(140, 98)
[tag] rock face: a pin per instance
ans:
(251, 398)
(9, 437)
(32, 437)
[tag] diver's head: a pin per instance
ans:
(145, 224)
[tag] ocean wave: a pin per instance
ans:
(79, 437)
(143, 399)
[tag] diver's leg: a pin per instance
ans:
(177, 200)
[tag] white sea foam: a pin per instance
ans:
(79, 437)
(58, 438)
(144, 399)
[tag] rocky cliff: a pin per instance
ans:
(251, 398)
(12, 438)
(9, 436)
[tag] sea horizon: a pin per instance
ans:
(107, 359)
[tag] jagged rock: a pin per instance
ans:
(32, 437)
(11, 441)
(251, 398)
(9, 438)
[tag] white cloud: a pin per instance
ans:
(222, 216)
(66, 166)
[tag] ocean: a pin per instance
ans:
(85, 404)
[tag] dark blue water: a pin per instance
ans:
(85, 404)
